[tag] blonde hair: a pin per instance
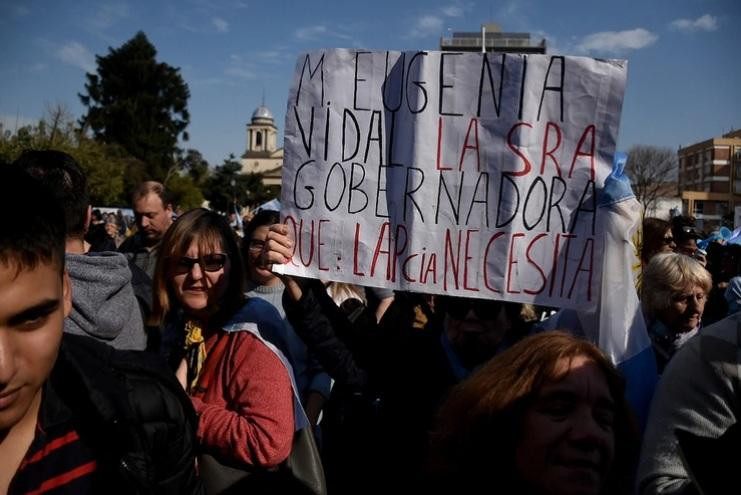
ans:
(668, 274)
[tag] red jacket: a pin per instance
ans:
(247, 412)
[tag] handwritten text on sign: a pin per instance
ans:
(467, 174)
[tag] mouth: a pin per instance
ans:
(582, 465)
(8, 398)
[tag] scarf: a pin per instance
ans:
(195, 352)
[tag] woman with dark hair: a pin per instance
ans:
(657, 238)
(312, 382)
(247, 413)
(547, 416)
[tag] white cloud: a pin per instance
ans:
(220, 24)
(452, 11)
(241, 68)
(617, 41)
(241, 72)
(705, 22)
(75, 53)
(427, 25)
(108, 14)
(310, 32)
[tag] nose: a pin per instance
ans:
(196, 273)
(144, 222)
(695, 303)
(588, 433)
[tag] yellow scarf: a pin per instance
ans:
(195, 352)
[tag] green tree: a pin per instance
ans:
(140, 104)
(186, 178)
(226, 186)
(104, 164)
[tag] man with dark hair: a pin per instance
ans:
(104, 305)
(153, 214)
(686, 236)
(76, 416)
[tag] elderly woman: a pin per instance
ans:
(547, 416)
(675, 288)
(246, 405)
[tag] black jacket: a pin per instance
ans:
(134, 412)
(390, 379)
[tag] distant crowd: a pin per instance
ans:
(165, 356)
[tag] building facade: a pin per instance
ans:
(263, 155)
(710, 179)
(492, 39)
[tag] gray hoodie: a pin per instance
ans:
(103, 302)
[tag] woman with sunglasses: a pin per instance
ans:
(657, 238)
(240, 386)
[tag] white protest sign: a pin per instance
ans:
(466, 174)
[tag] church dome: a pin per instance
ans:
(262, 112)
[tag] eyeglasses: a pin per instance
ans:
(208, 263)
(256, 245)
(668, 240)
(458, 308)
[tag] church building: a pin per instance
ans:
(263, 155)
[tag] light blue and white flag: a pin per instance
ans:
(617, 326)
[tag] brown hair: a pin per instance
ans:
(208, 229)
(652, 237)
(479, 425)
(154, 187)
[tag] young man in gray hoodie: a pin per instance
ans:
(103, 303)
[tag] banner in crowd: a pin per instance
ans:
(460, 173)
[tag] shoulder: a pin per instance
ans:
(131, 244)
(123, 383)
(717, 347)
(260, 312)
(248, 345)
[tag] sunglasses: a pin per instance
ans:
(208, 263)
(458, 308)
(668, 240)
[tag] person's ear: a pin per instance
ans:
(66, 293)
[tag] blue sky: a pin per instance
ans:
(684, 81)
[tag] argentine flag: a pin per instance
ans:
(617, 326)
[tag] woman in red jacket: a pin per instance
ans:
(240, 386)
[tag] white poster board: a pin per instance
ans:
(438, 172)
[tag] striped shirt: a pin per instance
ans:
(58, 460)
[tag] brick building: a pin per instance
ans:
(710, 179)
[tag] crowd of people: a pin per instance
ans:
(174, 360)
